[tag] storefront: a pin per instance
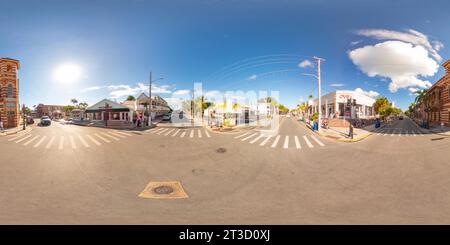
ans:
(109, 113)
(334, 105)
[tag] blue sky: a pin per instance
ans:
(226, 45)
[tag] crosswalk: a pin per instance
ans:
(280, 141)
(192, 133)
(71, 141)
(398, 132)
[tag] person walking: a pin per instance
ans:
(1, 127)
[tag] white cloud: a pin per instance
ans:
(122, 90)
(305, 63)
(353, 43)
(174, 103)
(370, 93)
(252, 77)
(401, 62)
(93, 88)
(410, 36)
(337, 85)
(181, 92)
(413, 90)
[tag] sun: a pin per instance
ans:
(67, 73)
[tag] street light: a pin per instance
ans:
(149, 112)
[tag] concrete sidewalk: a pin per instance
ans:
(341, 133)
(15, 130)
(445, 131)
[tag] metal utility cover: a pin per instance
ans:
(153, 190)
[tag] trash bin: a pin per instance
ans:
(316, 126)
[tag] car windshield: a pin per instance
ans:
(43, 118)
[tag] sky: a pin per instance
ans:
(90, 50)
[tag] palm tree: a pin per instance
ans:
(310, 97)
(423, 98)
(74, 101)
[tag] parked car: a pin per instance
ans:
(400, 118)
(46, 121)
(167, 117)
(30, 120)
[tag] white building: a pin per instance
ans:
(334, 105)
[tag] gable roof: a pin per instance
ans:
(100, 106)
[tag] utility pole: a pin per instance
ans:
(150, 101)
(319, 92)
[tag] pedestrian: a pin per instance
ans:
(1, 126)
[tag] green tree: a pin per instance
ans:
(68, 108)
(382, 106)
(74, 101)
(130, 98)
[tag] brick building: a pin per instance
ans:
(53, 111)
(439, 101)
(9, 92)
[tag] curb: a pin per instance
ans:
(355, 139)
(28, 129)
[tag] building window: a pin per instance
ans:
(9, 68)
(10, 91)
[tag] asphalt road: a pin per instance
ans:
(383, 179)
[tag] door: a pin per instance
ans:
(11, 119)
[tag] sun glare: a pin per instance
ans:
(67, 73)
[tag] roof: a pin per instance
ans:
(101, 105)
(11, 60)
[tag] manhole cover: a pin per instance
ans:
(164, 189)
(221, 150)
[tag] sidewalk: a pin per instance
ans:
(341, 133)
(16, 130)
(445, 131)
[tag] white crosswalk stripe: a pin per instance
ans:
(191, 134)
(317, 140)
(265, 141)
(256, 139)
(16, 137)
(199, 133)
(297, 143)
(168, 132)
(286, 142)
(110, 136)
(72, 142)
(24, 138)
(100, 137)
(40, 141)
(117, 135)
(83, 141)
(94, 140)
(49, 144)
(242, 135)
(248, 137)
(307, 141)
(31, 140)
(122, 133)
(162, 131)
(176, 132)
(156, 130)
(61, 143)
(275, 142)
(207, 133)
(182, 134)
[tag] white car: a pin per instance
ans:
(288, 115)
(167, 117)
